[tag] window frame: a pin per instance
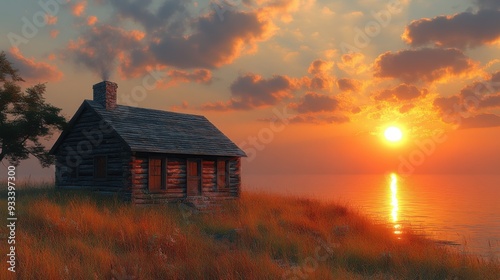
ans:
(163, 174)
(225, 184)
(95, 169)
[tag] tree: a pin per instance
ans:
(25, 118)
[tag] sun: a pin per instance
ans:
(393, 134)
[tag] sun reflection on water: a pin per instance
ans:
(395, 204)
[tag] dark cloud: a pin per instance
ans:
(464, 30)
(31, 70)
(100, 47)
(402, 92)
(172, 37)
(313, 102)
(489, 102)
(252, 91)
(488, 4)
(448, 106)
(474, 99)
(427, 64)
(214, 42)
(201, 76)
(348, 85)
(482, 120)
(170, 16)
(479, 89)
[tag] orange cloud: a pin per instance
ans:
(50, 19)
(402, 92)
(473, 106)
(54, 33)
(91, 20)
(312, 102)
(78, 9)
(32, 70)
(174, 77)
(349, 85)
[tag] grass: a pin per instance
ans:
(75, 235)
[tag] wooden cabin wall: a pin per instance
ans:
(76, 145)
(175, 184)
(208, 176)
(176, 181)
(235, 176)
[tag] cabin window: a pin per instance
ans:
(157, 174)
(73, 172)
(221, 173)
(100, 167)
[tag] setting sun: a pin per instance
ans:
(393, 134)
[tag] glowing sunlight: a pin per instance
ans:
(393, 134)
(394, 203)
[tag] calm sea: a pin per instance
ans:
(464, 210)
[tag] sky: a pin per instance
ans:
(303, 86)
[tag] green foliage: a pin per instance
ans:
(25, 118)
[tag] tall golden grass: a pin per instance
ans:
(74, 235)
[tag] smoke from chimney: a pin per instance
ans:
(105, 94)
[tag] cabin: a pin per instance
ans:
(145, 156)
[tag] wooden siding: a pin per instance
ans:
(176, 181)
(176, 172)
(82, 143)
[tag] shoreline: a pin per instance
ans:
(261, 236)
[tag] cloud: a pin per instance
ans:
(170, 15)
(464, 30)
(426, 64)
(78, 9)
(490, 102)
(172, 36)
(406, 108)
(322, 78)
(50, 19)
(313, 102)
(101, 46)
(320, 67)
(54, 33)
(488, 4)
(471, 107)
(349, 85)
(31, 70)
(352, 63)
(92, 20)
(213, 43)
(448, 105)
(174, 77)
(252, 91)
(403, 92)
(479, 121)
(183, 106)
(319, 119)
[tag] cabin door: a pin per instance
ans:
(193, 177)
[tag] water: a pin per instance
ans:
(464, 210)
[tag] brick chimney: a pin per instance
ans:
(105, 94)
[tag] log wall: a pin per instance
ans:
(176, 180)
(75, 157)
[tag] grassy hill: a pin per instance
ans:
(74, 235)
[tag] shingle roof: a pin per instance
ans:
(148, 130)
